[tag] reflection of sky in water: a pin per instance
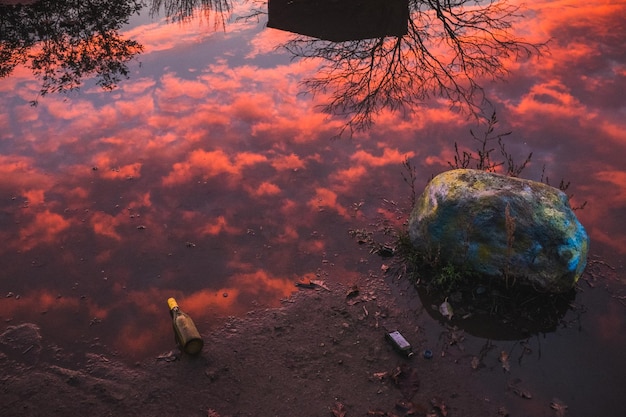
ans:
(206, 176)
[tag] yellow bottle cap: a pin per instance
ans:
(171, 302)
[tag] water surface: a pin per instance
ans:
(208, 176)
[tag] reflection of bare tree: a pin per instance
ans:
(63, 41)
(451, 45)
(217, 11)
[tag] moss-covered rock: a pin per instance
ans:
(514, 230)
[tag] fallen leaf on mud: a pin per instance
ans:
(559, 406)
(475, 362)
(519, 391)
(407, 380)
(410, 409)
(446, 310)
(504, 359)
(339, 410)
(320, 284)
(523, 393)
(438, 403)
(170, 356)
(380, 375)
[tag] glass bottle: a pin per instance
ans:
(185, 331)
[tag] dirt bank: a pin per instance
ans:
(323, 353)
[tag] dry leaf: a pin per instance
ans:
(504, 359)
(380, 375)
(339, 410)
(559, 406)
(320, 283)
(519, 391)
(475, 362)
(446, 310)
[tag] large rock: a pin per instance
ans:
(501, 227)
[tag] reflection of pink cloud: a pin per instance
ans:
(136, 107)
(105, 225)
(123, 172)
(551, 99)
(174, 87)
(161, 36)
(207, 164)
(44, 228)
(289, 234)
(34, 196)
(389, 156)
(325, 198)
(217, 226)
(38, 301)
(351, 174)
(615, 241)
(287, 162)
(617, 179)
(18, 174)
(260, 282)
(264, 189)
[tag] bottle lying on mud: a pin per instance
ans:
(399, 343)
(185, 331)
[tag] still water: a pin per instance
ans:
(192, 159)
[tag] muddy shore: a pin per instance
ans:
(322, 353)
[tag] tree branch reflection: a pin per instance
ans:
(450, 48)
(63, 42)
(183, 11)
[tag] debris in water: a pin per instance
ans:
(475, 362)
(559, 406)
(519, 391)
(168, 356)
(320, 284)
(504, 359)
(339, 410)
(446, 310)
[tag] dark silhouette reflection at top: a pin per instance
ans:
(449, 48)
(340, 21)
(217, 11)
(64, 41)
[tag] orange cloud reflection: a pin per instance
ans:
(207, 164)
(43, 228)
(325, 198)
